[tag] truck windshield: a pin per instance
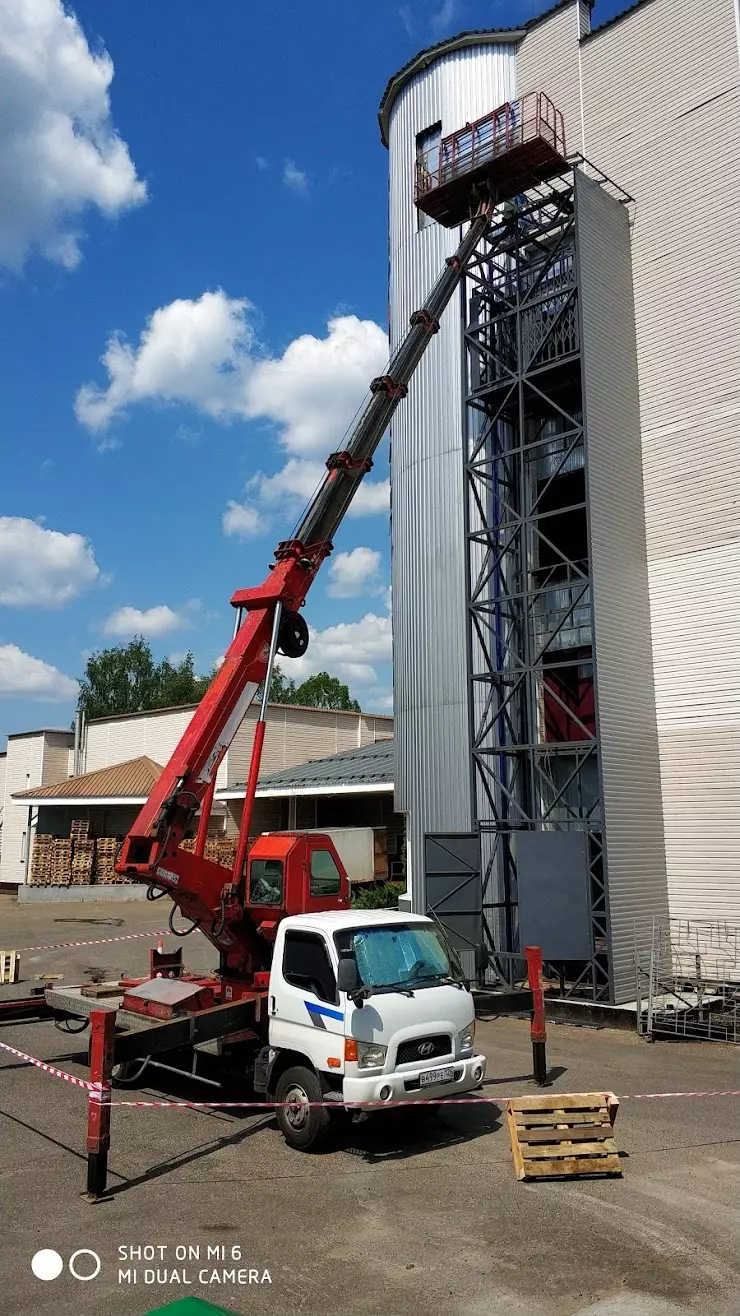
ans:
(406, 956)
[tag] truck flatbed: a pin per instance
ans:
(71, 1002)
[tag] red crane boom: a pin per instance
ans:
(268, 621)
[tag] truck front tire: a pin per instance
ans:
(303, 1124)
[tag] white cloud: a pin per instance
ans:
(314, 389)
(295, 179)
(443, 17)
(203, 353)
(241, 520)
(151, 623)
(189, 351)
(354, 573)
(292, 486)
(59, 151)
(25, 677)
(351, 651)
(261, 162)
(40, 567)
(407, 20)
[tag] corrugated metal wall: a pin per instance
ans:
(299, 735)
(548, 59)
(56, 757)
(630, 767)
(432, 775)
(24, 769)
(3, 763)
(659, 98)
(116, 740)
(294, 736)
(667, 128)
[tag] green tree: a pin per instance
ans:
(282, 687)
(320, 691)
(325, 691)
(126, 679)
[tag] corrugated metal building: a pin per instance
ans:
(652, 98)
(119, 762)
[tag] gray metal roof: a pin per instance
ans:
(370, 765)
(474, 37)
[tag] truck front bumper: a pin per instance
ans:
(405, 1085)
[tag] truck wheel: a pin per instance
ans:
(303, 1125)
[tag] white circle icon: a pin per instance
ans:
(47, 1264)
(84, 1252)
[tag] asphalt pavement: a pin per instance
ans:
(407, 1211)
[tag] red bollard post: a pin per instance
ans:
(537, 1029)
(102, 1030)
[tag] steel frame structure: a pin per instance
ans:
(533, 722)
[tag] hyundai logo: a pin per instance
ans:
(426, 1048)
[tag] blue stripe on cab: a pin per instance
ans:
(313, 1008)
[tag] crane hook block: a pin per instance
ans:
(423, 320)
(384, 384)
(292, 635)
(346, 462)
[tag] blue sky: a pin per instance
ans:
(218, 229)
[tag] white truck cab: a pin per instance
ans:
(363, 1007)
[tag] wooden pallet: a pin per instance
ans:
(106, 848)
(563, 1134)
(10, 965)
(41, 859)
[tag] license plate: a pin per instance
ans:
(436, 1076)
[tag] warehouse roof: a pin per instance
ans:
(487, 36)
(355, 771)
(126, 782)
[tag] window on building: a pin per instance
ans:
(325, 878)
(427, 163)
(266, 882)
(24, 839)
(306, 965)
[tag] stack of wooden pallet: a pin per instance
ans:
(60, 868)
(105, 858)
(223, 851)
(83, 861)
(79, 829)
(41, 860)
(83, 852)
(219, 849)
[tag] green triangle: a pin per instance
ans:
(189, 1307)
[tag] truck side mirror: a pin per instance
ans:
(347, 976)
(482, 957)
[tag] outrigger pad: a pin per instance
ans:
(563, 1134)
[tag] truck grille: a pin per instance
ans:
(421, 1049)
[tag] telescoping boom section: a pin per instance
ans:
(268, 621)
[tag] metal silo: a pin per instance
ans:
(439, 91)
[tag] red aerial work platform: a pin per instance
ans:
(504, 153)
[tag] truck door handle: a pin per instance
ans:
(273, 1009)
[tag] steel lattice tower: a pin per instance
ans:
(533, 714)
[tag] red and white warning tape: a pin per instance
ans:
(403, 1101)
(49, 1069)
(102, 941)
(99, 1090)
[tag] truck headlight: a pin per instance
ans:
(370, 1055)
(465, 1038)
